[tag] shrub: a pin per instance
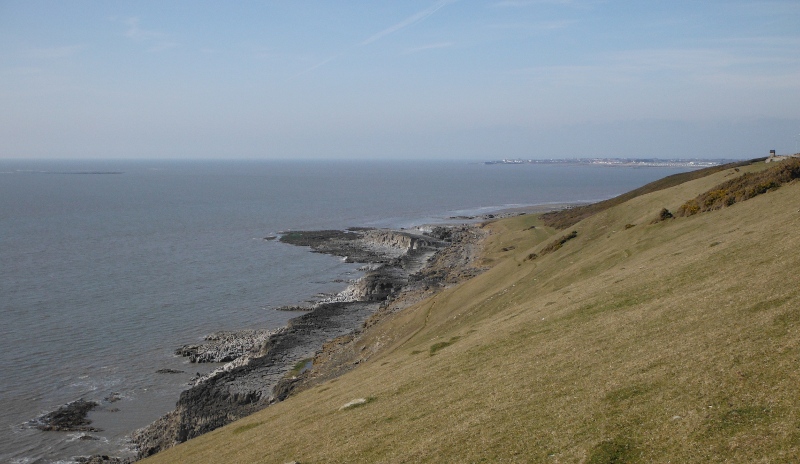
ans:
(742, 188)
(555, 245)
(689, 208)
(663, 215)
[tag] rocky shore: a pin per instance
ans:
(401, 267)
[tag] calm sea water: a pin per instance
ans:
(102, 276)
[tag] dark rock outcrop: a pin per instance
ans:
(169, 371)
(68, 418)
(101, 459)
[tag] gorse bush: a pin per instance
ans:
(555, 245)
(742, 188)
(567, 217)
(689, 208)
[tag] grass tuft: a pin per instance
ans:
(556, 244)
(734, 420)
(626, 393)
(438, 346)
(616, 451)
(245, 428)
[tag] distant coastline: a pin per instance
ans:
(621, 162)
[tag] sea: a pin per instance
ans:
(108, 266)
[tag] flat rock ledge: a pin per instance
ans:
(260, 374)
(225, 346)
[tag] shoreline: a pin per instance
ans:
(263, 376)
(263, 371)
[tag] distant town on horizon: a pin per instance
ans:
(634, 162)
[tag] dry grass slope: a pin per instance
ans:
(670, 342)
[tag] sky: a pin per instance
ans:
(430, 79)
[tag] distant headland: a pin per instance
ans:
(622, 162)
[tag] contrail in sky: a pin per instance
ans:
(402, 24)
(318, 65)
(409, 21)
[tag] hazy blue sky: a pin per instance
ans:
(471, 79)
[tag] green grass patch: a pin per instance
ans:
(441, 345)
(768, 304)
(625, 393)
(734, 420)
(300, 367)
(783, 322)
(245, 428)
(616, 451)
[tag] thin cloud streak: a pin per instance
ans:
(316, 66)
(137, 33)
(409, 21)
(158, 40)
(420, 16)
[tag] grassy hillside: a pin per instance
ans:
(565, 218)
(676, 341)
